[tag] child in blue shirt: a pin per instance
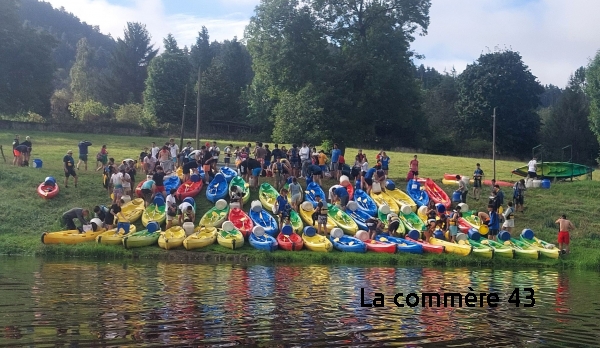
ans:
(494, 223)
(283, 206)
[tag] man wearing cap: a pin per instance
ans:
(69, 167)
(83, 152)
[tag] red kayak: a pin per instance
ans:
(293, 242)
(241, 221)
(350, 190)
(138, 189)
(485, 182)
(430, 248)
(380, 247)
(47, 191)
(436, 193)
(189, 189)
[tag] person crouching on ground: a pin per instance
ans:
(564, 238)
(75, 213)
(374, 226)
(393, 224)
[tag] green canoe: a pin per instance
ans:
(141, 239)
(414, 221)
(342, 220)
(500, 250)
(296, 221)
(558, 170)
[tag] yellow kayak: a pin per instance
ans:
(479, 250)
(342, 220)
(133, 210)
(546, 249)
(70, 236)
(383, 198)
(232, 239)
(267, 195)
(402, 198)
(214, 217)
(453, 248)
(317, 243)
(306, 210)
(154, 213)
(172, 238)
(110, 237)
(202, 236)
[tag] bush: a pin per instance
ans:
(90, 111)
(129, 113)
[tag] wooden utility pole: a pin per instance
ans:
(198, 111)
(183, 118)
(494, 142)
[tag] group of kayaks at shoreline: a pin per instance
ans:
(230, 226)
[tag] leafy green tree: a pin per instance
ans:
(298, 117)
(592, 89)
(165, 85)
(200, 54)
(26, 66)
(170, 45)
(568, 124)
(130, 113)
(500, 80)
(129, 64)
(83, 74)
(89, 111)
(59, 103)
(439, 108)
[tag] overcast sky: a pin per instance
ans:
(555, 37)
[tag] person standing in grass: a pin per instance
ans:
(462, 188)
(154, 150)
(164, 158)
(385, 162)
(26, 155)
(228, 151)
(532, 169)
(159, 181)
(564, 229)
(335, 165)
(83, 153)
(305, 159)
(493, 223)
(149, 164)
(16, 153)
(69, 167)
(296, 191)
(102, 157)
(477, 177)
(509, 218)
(414, 167)
(518, 194)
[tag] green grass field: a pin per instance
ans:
(25, 215)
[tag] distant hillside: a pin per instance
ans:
(67, 29)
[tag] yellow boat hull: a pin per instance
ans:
(317, 243)
(230, 240)
(172, 238)
(110, 238)
(553, 253)
(382, 199)
(214, 217)
(202, 236)
(70, 236)
(154, 213)
(306, 216)
(452, 248)
(133, 210)
(483, 251)
(402, 198)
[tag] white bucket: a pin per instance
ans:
(537, 183)
(188, 227)
(528, 183)
(126, 198)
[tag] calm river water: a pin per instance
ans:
(79, 303)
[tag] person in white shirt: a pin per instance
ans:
(304, 158)
(126, 180)
(116, 180)
(187, 213)
(171, 204)
(154, 150)
(532, 168)
(149, 164)
(174, 152)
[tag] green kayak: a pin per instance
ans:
(239, 182)
(296, 221)
(342, 219)
(141, 239)
(267, 195)
(558, 170)
(414, 220)
(519, 252)
(499, 249)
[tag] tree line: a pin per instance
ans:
(320, 71)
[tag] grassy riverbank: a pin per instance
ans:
(26, 216)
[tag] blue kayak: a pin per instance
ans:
(266, 221)
(365, 202)
(360, 217)
(413, 188)
(217, 189)
(312, 190)
(405, 246)
(265, 242)
(349, 244)
(172, 182)
(228, 173)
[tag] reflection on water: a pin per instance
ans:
(82, 303)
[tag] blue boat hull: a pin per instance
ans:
(419, 196)
(409, 247)
(265, 242)
(228, 173)
(266, 221)
(365, 202)
(217, 189)
(172, 182)
(318, 191)
(360, 217)
(342, 245)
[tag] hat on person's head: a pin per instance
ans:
(27, 138)
(207, 144)
(70, 151)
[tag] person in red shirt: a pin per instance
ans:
(414, 167)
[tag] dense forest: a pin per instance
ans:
(315, 70)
